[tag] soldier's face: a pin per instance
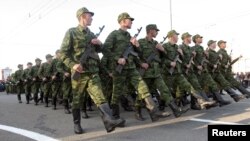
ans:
(213, 46)
(127, 23)
(188, 40)
(199, 40)
(175, 38)
(87, 19)
(29, 66)
(38, 63)
(49, 60)
(154, 33)
(223, 45)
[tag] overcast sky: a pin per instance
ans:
(34, 28)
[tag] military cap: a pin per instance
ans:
(19, 65)
(220, 42)
(29, 63)
(48, 56)
(171, 33)
(152, 27)
(210, 42)
(123, 16)
(58, 51)
(82, 11)
(37, 59)
(196, 36)
(185, 35)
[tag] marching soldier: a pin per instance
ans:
(36, 80)
(119, 45)
(213, 67)
(187, 68)
(27, 82)
(203, 76)
(19, 82)
(150, 51)
(172, 72)
(76, 43)
(226, 68)
(45, 73)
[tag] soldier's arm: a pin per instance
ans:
(41, 71)
(60, 67)
(67, 50)
(167, 61)
(108, 46)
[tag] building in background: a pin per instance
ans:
(4, 73)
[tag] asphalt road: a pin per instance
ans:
(35, 122)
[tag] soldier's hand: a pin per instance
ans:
(160, 47)
(78, 68)
(173, 64)
(44, 79)
(34, 79)
(199, 67)
(96, 41)
(215, 66)
(180, 51)
(194, 53)
(220, 55)
(134, 42)
(110, 75)
(144, 66)
(53, 77)
(122, 61)
(66, 74)
(188, 66)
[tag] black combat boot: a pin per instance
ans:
(138, 114)
(177, 111)
(194, 104)
(108, 120)
(204, 95)
(54, 103)
(77, 121)
(89, 104)
(244, 91)
(153, 111)
(27, 99)
(41, 97)
(162, 105)
(234, 95)
(84, 111)
(19, 98)
(184, 100)
(66, 106)
(115, 111)
(202, 102)
(217, 96)
(125, 104)
(46, 99)
(36, 99)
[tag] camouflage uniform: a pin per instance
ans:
(36, 81)
(56, 83)
(226, 71)
(45, 73)
(27, 84)
(19, 83)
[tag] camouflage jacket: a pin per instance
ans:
(115, 45)
(34, 72)
(146, 49)
(170, 57)
(225, 60)
(26, 74)
(200, 58)
(187, 55)
(18, 76)
(45, 71)
(73, 46)
(214, 59)
(61, 69)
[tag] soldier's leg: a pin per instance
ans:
(35, 91)
(19, 91)
(218, 77)
(138, 108)
(26, 89)
(55, 89)
(66, 90)
(84, 105)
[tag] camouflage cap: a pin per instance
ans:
(210, 42)
(58, 51)
(82, 11)
(48, 56)
(171, 33)
(19, 65)
(152, 27)
(123, 16)
(185, 35)
(29, 63)
(220, 42)
(37, 59)
(196, 37)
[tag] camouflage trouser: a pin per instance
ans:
(107, 85)
(91, 83)
(131, 76)
(229, 77)
(27, 88)
(19, 88)
(219, 78)
(67, 89)
(193, 80)
(56, 88)
(207, 82)
(46, 87)
(35, 88)
(178, 83)
(158, 83)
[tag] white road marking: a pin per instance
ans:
(27, 133)
(213, 121)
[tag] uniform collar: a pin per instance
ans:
(80, 28)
